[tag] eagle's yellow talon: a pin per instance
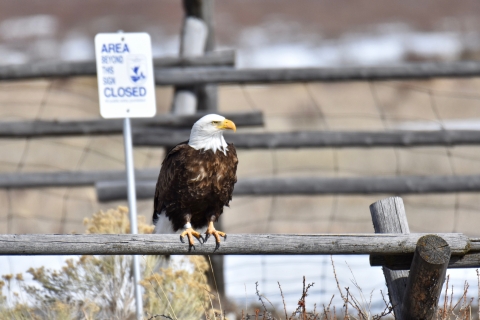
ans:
(190, 233)
(217, 234)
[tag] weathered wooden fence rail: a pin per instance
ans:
(116, 190)
(68, 178)
(319, 139)
(42, 128)
(193, 76)
(111, 185)
(88, 68)
(289, 75)
(245, 244)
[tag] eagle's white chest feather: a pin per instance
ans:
(208, 141)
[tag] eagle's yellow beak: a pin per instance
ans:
(227, 124)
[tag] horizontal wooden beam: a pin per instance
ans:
(68, 178)
(40, 128)
(88, 68)
(109, 244)
(111, 184)
(411, 71)
(320, 139)
(404, 261)
(168, 76)
(116, 190)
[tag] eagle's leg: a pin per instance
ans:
(217, 234)
(191, 234)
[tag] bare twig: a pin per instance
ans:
(260, 298)
(283, 301)
(388, 309)
(336, 280)
(215, 281)
(301, 302)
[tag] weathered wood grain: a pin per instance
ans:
(321, 139)
(88, 68)
(41, 129)
(422, 70)
(108, 244)
(388, 216)
(426, 278)
(115, 190)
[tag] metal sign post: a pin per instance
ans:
(132, 209)
(126, 90)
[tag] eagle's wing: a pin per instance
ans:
(230, 172)
(169, 174)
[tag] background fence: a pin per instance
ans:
(361, 106)
(435, 104)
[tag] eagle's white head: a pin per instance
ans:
(207, 133)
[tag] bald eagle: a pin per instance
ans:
(196, 181)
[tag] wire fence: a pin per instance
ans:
(437, 104)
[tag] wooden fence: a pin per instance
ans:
(167, 75)
(392, 246)
(428, 255)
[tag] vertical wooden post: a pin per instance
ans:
(427, 274)
(192, 43)
(204, 11)
(388, 216)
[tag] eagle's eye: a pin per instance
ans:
(215, 122)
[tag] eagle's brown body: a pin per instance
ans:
(195, 185)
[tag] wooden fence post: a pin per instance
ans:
(192, 43)
(196, 39)
(388, 216)
(427, 274)
(204, 10)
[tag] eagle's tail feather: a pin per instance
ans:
(162, 224)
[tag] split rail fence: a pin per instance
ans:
(199, 70)
(413, 294)
(396, 250)
(164, 131)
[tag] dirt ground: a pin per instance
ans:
(318, 106)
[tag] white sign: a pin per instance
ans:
(126, 84)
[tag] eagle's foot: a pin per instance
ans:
(191, 234)
(217, 234)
